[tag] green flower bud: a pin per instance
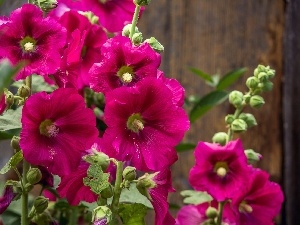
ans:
(263, 76)
(129, 173)
(23, 91)
(220, 137)
(97, 157)
(249, 119)
(267, 86)
(102, 212)
(259, 68)
(271, 73)
(229, 119)
(127, 29)
(40, 204)
(46, 5)
(28, 187)
(256, 101)
(236, 98)
(15, 143)
(9, 98)
(107, 192)
(247, 98)
(144, 182)
(252, 82)
(155, 45)
(34, 175)
(256, 72)
(211, 212)
(252, 156)
(238, 125)
(42, 219)
(137, 38)
(142, 2)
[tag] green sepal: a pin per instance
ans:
(195, 197)
(12, 163)
(133, 214)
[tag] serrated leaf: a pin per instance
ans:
(206, 103)
(7, 72)
(12, 163)
(11, 119)
(132, 214)
(96, 179)
(195, 197)
(132, 195)
(203, 75)
(182, 147)
(229, 78)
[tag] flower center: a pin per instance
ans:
(125, 74)
(48, 128)
(135, 123)
(28, 44)
(244, 207)
(221, 169)
(103, 1)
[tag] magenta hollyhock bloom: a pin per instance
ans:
(113, 14)
(2, 103)
(56, 126)
(144, 125)
(158, 197)
(123, 64)
(220, 170)
(72, 188)
(7, 198)
(261, 202)
(30, 37)
(196, 214)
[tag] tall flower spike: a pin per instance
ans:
(61, 128)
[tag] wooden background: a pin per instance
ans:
(218, 36)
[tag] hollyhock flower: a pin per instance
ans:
(220, 170)
(143, 125)
(261, 202)
(7, 198)
(123, 64)
(196, 214)
(2, 103)
(113, 14)
(54, 127)
(156, 188)
(30, 37)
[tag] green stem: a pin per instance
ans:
(236, 115)
(221, 207)
(134, 20)
(118, 189)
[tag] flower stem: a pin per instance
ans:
(134, 20)
(221, 207)
(118, 189)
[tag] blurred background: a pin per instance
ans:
(217, 37)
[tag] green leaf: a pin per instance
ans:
(38, 84)
(9, 134)
(12, 163)
(203, 75)
(206, 103)
(11, 119)
(195, 197)
(132, 195)
(7, 72)
(96, 179)
(229, 78)
(133, 214)
(182, 147)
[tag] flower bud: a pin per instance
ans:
(127, 29)
(107, 192)
(40, 204)
(137, 38)
(34, 175)
(211, 212)
(238, 125)
(267, 86)
(155, 45)
(256, 101)
(229, 119)
(15, 143)
(28, 187)
(220, 137)
(259, 68)
(252, 156)
(236, 98)
(142, 2)
(263, 76)
(271, 73)
(144, 182)
(129, 173)
(101, 214)
(249, 119)
(46, 5)
(98, 157)
(252, 82)
(23, 91)
(9, 98)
